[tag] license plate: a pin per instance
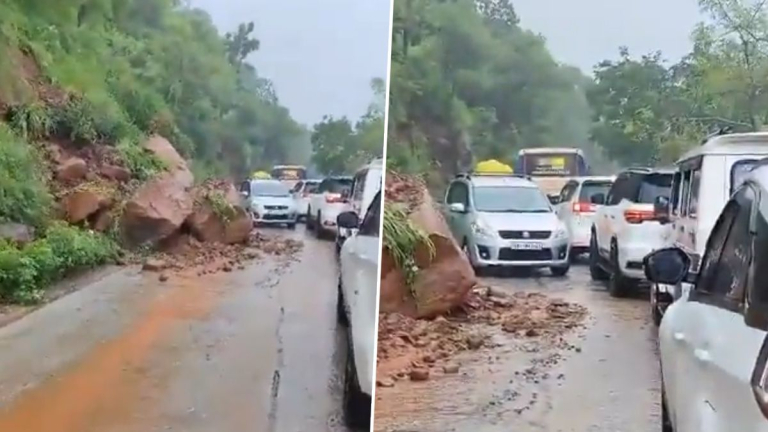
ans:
(526, 246)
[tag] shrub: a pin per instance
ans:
(25, 272)
(402, 238)
(24, 197)
(33, 121)
(142, 163)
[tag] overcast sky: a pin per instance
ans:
(584, 32)
(320, 54)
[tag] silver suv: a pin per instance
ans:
(506, 221)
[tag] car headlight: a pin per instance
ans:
(561, 232)
(481, 229)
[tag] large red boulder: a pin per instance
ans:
(71, 170)
(209, 226)
(79, 204)
(160, 206)
(444, 279)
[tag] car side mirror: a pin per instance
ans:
(668, 266)
(554, 199)
(661, 209)
(597, 199)
(348, 220)
(244, 194)
(457, 208)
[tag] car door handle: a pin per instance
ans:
(701, 355)
(679, 336)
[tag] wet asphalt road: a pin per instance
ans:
(252, 350)
(608, 382)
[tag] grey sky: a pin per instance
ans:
(584, 32)
(320, 54)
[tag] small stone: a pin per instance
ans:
(532, 333)
(451, 368)
(385, 382)
(163, 277)
(475, 341)
(227, 268)
(419, 374)
(154, 265)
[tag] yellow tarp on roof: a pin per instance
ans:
(492, 166)
(261, 175)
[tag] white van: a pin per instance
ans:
(366, 183)
(705, 179)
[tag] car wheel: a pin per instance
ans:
(308, 220)
(595, 270)
(465, 249)
(618, 285)
(560, 271)
(655, 310)
(341, 313)
(357, 405)
(666, 424)
(319, 227)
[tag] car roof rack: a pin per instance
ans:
(725, 130)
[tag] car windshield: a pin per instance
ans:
(311, 187)
(592, 188)
(338, 185)
(271, 189)
(653, 186)
(506, 199)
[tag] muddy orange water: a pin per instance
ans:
(100, 389)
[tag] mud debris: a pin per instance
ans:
(421, 349)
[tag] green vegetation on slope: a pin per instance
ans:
(468, 82)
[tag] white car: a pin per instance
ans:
(366, 183)
(717, 167)
(331, 199)
(712, 340)
(576, 208)
(302, 192)
(269, 202)
(356, 309)
(625, 228)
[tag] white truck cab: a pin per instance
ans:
(714, 170)
(366, 183)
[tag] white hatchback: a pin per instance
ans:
(712, 340)
(576, 208)
(356, 308)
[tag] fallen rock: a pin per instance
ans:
(163, 277)
(419, 374)
(81, 203)
(71, 170)
(18, 233)
(117, 173)
(385, 382)
(209, 226)
(451, 368)
(157, 210)
(475, 341)
(164, 150)
(102, 221)
(154, 264)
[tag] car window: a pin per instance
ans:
(568, 190)
(758, 290)
(311, 188)
(506, 199)
(335, 185)
(724, 270)
(675, 192)
(359, 187)
(693, 196)
(245, 187)
(591, 188)
(297, 187)
(622, 188)
(739, 172)
(270, 188)
(372, 219)
(458, 193)
(653, 186)
(685, 191)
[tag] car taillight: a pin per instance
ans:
(334, 198)
(638, 215)
(583, 207)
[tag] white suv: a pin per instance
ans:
(576, 209)
(356, 308)
(366, 183)
(625, 228)
(712, 340)
(329, 200)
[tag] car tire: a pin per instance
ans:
(666, 424)
(618, 285)
(308, 220)
(357, 405)
(465, 249)
(560, 271)
(319, 227)
(595, 270)
(292, 226)
(341, 312)
(656, 313)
